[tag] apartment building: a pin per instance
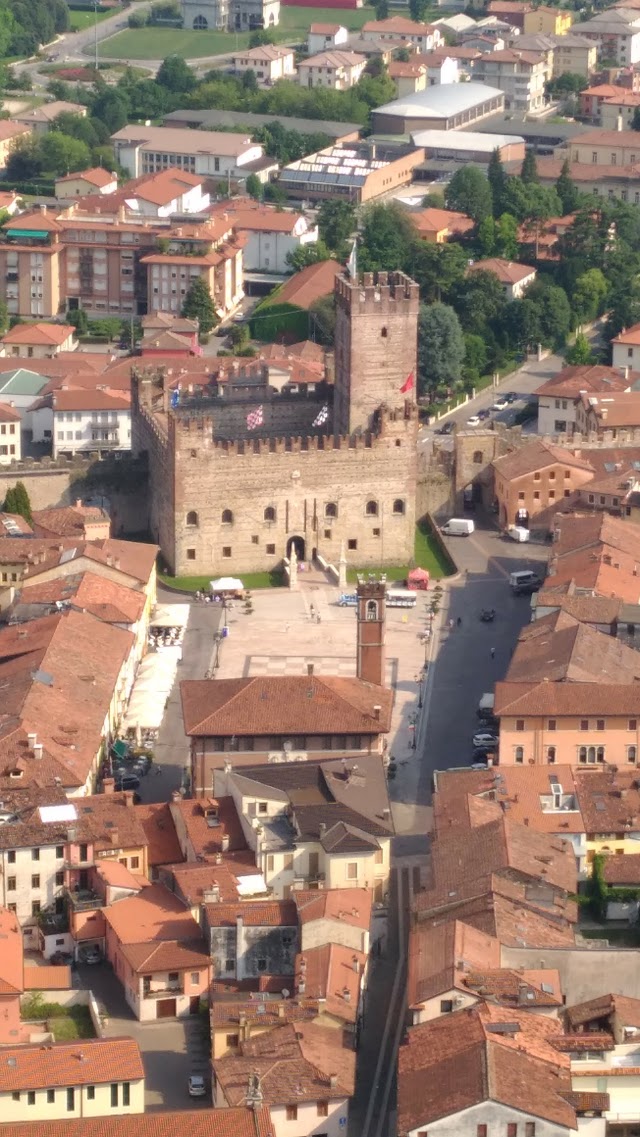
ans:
(557, 397)
(401, 31)
(213, 154)
(616, 33)
(250, 940)
(606, 148)
(324, 37)
(269, 63)
(211, 251)
(83, 420)
(512, 12)
(269, 234)
(551, 21)
(573, 52)
(10, 435)
(521, 75)
(337, 70)
(535, 478)
(93, 1077)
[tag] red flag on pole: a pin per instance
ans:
(407, 385)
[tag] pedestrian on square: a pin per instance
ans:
(493, 653)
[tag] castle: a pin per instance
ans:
(231, 15)
(242, 474)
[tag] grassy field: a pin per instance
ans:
(201, 583)
(157, 43)
(79, 21)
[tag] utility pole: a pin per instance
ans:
(95, 30)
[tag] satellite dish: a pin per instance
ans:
(285, 993)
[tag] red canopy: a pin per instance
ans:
(418, 580)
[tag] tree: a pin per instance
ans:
(441, 347)
(198, 305)
(239, 336)
(249, 81)
(78, 319)
(433, 200)
(24, 160)
(417, 9)
(486, 237)
(112, 108)
(387, 238)
(529, 171)
(497, 177)
(476, 358)
(254, 187)
(479, 300)
(17, 501)
(274, 193)
(566, 189)
(554, 311)
(469, 192)
(61, 154)
(589, 295)
(176, 75)
(336, 223)
(382, 10)
(322, 318)
(580, 353)
(262, 36)
(306, 255)
(520, 325)
(507, 237)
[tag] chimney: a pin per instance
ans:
(37, 750)
(376, 712)
(333, 1081)
(322, 829)
(128, 798)
(78, 503)
(176, 795)
(309, 669)
(346, 995)
(225, 842)
(32, 738)
(280, 1010)
(114, 837)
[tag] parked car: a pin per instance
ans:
(90, 955)
(197, 1086)
(481, 753)
(483, 738)
(446, 428)
(484, 414)
(60, 957)
(511, 397)
(127, 782)
(473, 421)
(501, 403)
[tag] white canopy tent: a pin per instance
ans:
(153, 684)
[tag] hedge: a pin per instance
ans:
(270, 321)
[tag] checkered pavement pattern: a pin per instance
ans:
(297, 665)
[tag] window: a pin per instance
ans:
(271, 550)
(83, 852)
(232, 1039)
(71, 1098)
(584, 724)
(11, 857)
(323, 1106)
(512, 1129)
(518, 754)
(352, 870)
(552, 724)
(446, 1006)
(270, 862)
(91, 1093)
(35, 881)
(15, 1096)
(371, 508)
(292, 1113)
(481, 1131)
(126, 1093)
(263, 807)
(399, 507)
(31, 1097)
(35, 907)
(269, 513)
(383, 333)
(287, 862)
(51, 1096)
(191, 554)
(35, 854)
(551, 755)
(331, 509)
(192, 517)
(262, 965)
(114, 1094)
(529, 1129)
(226, 551)
(352, 544)
(477, 457)
(536, 476)
(599, 724)
(59, 852)
(230, 965)
(227, 517)
(11, 884)
(519, 724)
(632, 724)
(59, 879)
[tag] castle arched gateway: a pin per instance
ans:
(319, 471)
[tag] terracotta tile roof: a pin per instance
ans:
(85, 399)
(85, 1062)
(254, 914)
(18, 761)
(306, 349)
(311, 284)
(170, 955)
(204, 840)
(525, 790)
(192, 880)
(534, 456)
(557, 699)
(579, 1043)
(11, 967)
(608, 799)
(587, 609)
(297, 704)
(110, 820)
(241, 1122)
(163, 847)
(398, 24)
(569, 382)
(261, 220)
(507, 272)
(68, 521)
(434, 220)
(10, 129)
(105, 599)
(333, 973)
(622, 870)
(457, 1061)
(155, 914)
(263, 1012)
(617, 408)
(350, 906)
(558, 648)
(504, 847)
(53, 978)
(440, 956)
(515, 914)
(38, 334)
(97, 176)
(588, 1101)
(629, 335)
(294, 1063)
(627, 1009)
(324, 29)
(117, 875)
(8, 413)
(517, 988)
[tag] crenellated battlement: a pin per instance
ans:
(378, 292)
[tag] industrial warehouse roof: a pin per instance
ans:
(441, 101)
(468, 140)
(212, 119)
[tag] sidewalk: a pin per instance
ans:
(280, 637)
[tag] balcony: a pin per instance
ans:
(105, 442)
(83, 899)
(163, 992)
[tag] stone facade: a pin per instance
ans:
(232, 15)
(218, 504)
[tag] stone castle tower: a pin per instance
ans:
(223, 497)
(375, 346)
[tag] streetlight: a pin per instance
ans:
(95, 30)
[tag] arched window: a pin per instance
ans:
(477, 457)
(632, 753)
(200, 24)
(399, 506)
(227, 517)
(371, 508)
(331, 509)
(582, 754)
(591, 754)
(519, 754)
(372, 609)
(269, 513)
(600, 754)
(192, 517)
(551, 754)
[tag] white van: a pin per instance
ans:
(525, 578)
(458, 527)
(518, 533)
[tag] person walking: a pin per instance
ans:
(493, 653)
(459, 621)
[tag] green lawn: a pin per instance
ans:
(427, 555)
(201, 583)
(66, 1023)
(81, 20)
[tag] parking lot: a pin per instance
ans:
(462, 666)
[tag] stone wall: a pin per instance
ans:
(51, 484)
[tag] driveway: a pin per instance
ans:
(462, 667)
(171, 1049)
